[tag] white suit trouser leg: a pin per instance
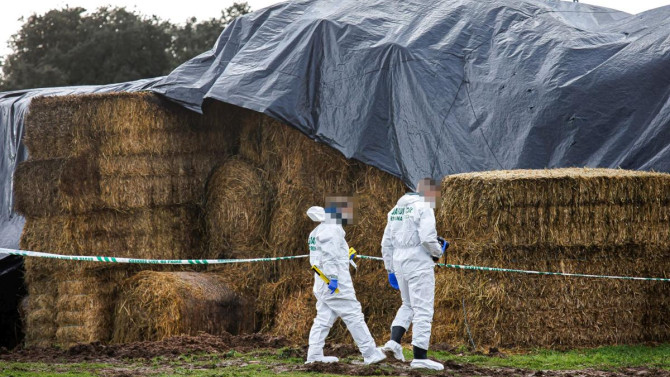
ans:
(349, 309)
(417, 291)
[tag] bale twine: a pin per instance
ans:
(157, 305)
(237, 211)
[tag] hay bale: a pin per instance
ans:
(295, 315)
(377, 193)
(251, 136)
(158, 233)
(237, 211)
(157, 305)
(562, 207)
(37, 185)
(126, 123)
(78, 185)
(508, 310)
(85, 304)
(303, 172)
(593, 221)
(40, 313)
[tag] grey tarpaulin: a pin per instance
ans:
(429, 88)
(13, 108)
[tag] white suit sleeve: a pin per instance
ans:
(428, 233)
(387, 248)
(329, 244)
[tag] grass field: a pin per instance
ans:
(604, 361)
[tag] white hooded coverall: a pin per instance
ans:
(410, 239)
(328, 250)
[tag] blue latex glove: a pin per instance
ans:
(332, 285)
(393, 281)
(443, 243)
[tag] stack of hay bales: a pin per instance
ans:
(119, 175)
(126, 175)
(591, 221)
(302, 173)
(574, 220)
(299, 173)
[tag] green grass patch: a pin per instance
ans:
(266, 363)
(604, 358)
(11, 369)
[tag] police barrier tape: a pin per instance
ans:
(272, 259)
(141, 261)
(496, 269)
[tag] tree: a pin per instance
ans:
(66, 47)
(197, 37)
(70, 47)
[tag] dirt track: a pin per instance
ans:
(171, 351)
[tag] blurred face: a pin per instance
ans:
(342, 208)
(430, 191)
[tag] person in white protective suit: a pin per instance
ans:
(410, 248)
(329, 252)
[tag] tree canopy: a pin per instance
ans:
(72, 47)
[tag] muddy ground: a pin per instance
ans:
(129, 359)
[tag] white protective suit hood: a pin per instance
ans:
(409, 198)
(317, 214)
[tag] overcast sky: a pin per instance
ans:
(179, 11)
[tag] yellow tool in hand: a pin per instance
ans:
(323, 277)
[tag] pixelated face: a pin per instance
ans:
(341, 208)
(430, 191)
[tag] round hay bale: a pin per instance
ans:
(237, 210)
(156, 305)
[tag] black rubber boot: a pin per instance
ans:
(396, 333)
(420, 353)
